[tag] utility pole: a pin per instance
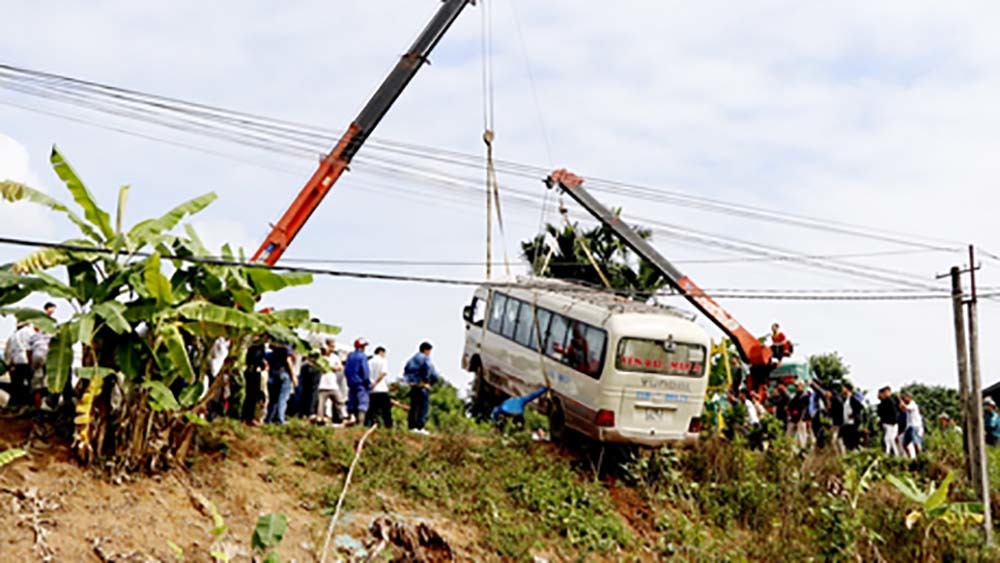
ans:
(961, 352)
(980, 475)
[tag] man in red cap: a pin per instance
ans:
(359, 381)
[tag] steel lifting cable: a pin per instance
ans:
(586, 248)
(489, 134)
(488, 139)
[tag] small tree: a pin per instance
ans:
(567, 259)
(934, 509)
(717, 367)
(829, 369)
(145, 313)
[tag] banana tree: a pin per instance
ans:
(146, 311)
(933, 506)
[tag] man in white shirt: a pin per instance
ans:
(380, 405)
(18, 356)
(753, 418)
(914, 433)
(329, 385)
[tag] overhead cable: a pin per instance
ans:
(536, 284)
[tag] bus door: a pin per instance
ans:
(474, 315)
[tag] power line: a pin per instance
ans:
(676, 232)
(735, 260)
(538, 284)
(296, 136)
(292, 139)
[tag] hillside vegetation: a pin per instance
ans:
(489, 497)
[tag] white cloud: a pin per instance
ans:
(19, 220)
(24, 220)
(879, 113)
(215, 233)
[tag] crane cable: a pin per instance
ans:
(489, 134)
(583, 244)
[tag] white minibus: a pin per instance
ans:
(620, 371)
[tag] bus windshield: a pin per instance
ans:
(660, 356)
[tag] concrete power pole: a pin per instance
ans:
(980, 475)
(961, 352)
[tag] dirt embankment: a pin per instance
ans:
(54, 510)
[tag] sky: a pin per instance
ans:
(880, 114)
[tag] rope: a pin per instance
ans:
(489, 134)
(343, 493)
(538, 338)
(488, 139)
(586, 249)
(491, 171)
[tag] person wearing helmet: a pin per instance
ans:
(991, 421)
(359, 381)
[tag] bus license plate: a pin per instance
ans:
(655, 415)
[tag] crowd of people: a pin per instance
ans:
(25, 354)
(813, 416)
(836, 417)
(326, 385)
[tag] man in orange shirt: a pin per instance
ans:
(780, 345)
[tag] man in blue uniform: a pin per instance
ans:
(420, 374)
(359, 381)
(513, 408)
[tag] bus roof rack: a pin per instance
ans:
(605, 298)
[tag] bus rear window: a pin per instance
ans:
(658, 356)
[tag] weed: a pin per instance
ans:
(8, 456)
(268, 534)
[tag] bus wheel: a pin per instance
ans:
(483, 396)
(557, 422)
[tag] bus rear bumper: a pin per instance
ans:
(652, 439)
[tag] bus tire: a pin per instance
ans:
(483, 395)
(558, 432)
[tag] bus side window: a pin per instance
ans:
(577, 353)
(510, 318)
(596, 340)
(496, 313)
(525, 324)
(555, 344)
(544, 317)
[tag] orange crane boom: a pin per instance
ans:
(334, 164)
(751, 349)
